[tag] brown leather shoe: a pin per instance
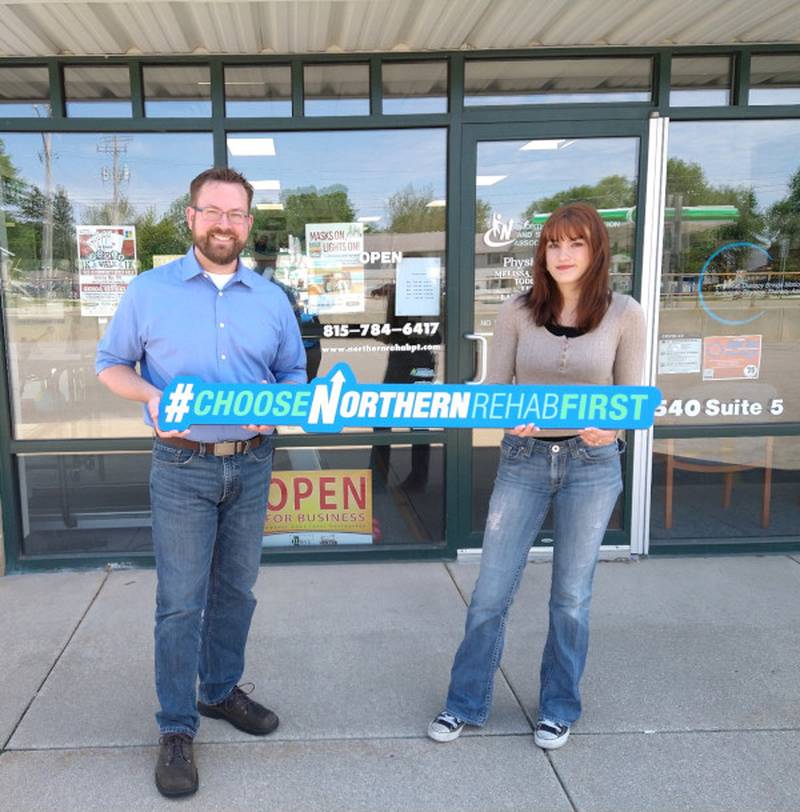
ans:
(176, 772)
(242, 712)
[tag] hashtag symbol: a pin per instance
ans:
(179, 401)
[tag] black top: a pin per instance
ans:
(567, 332)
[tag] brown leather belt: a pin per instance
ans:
(225, 449)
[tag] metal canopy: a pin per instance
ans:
(181, 27)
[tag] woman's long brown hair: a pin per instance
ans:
(544, 300)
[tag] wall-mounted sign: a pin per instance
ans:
(106, 265)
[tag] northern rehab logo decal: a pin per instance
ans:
(338, 401)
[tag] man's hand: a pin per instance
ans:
(259, 429)
(152, 408)
(264, 429)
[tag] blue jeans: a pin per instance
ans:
(582, 484)
(208, 519)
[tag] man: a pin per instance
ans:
(205, 314)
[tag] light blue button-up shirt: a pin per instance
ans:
(174, 320)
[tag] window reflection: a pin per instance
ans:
(176, 90)
(258, 90)
(24, 91)
(700, 81)
(58, 192)
(352, 226)
(775, 79)
(724, 488)
(556, 81)
(518, 185)
(319, 498)
(728, 346)
(336, 90)
(101, 91)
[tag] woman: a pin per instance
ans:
(567, 329)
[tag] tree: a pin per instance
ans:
(162, 235)
(119, 213)
(783, 219)
(330, 205)
(409, 212)
(64, 241)
(611, 192)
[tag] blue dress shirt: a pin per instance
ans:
(174, 320)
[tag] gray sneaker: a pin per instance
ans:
(550, 735)
(445, 727)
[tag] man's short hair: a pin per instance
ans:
(219, 174)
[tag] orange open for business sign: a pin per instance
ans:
(337, 501)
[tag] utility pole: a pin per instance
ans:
(46, 156)
(115, 145)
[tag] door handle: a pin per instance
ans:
(483, 356)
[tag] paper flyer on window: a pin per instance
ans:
(335, 282)
(106, 265)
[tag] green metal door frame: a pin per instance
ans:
(460, 531)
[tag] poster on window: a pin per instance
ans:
(319, 508)
(106, 265)
(335, 280)
(727, 358)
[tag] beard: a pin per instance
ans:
(219, 254)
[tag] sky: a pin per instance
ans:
(375, 164)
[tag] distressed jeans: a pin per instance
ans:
(582, 484)
(208, 519)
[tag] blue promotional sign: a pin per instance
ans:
(338, 401)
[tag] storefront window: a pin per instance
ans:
(58, 193)
(414, 87)
(724, 488)
(352, 226)
(98, 91)
(99, 504)
(557, 81)
(336, 90)
(775, 79)
(176, 91)
(700, 81)
(24, 91)
(258, 90)
(728, 340)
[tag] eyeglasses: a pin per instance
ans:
(212, 214)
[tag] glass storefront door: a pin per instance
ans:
(518, 176)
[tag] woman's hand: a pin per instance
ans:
(592, 436)
(524, 430)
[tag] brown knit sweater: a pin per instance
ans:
(612, 353)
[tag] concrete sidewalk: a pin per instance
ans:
(692, 693)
